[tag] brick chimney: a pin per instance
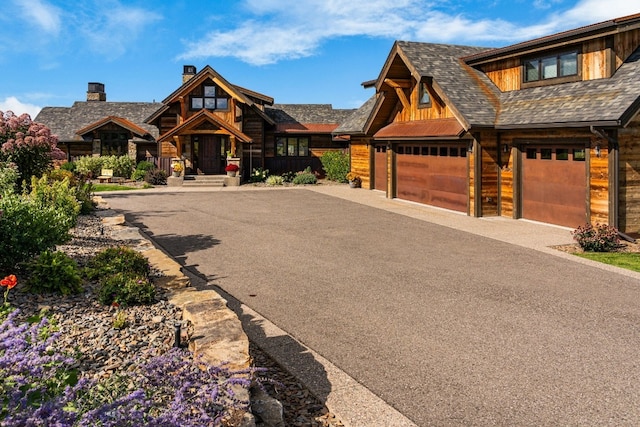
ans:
(188, 71)
(96, 92)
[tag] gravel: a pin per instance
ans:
(88, 327)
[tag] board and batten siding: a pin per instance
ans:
(629, 178)
(489, 191)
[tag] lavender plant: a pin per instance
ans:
(174, 389)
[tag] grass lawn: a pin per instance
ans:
(628, 260)
(117, 187)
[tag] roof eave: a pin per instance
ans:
(597, 123)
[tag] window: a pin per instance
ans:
(562, 154)
(425, 151)
(424, 98)
(546, 153)
(578, 155)
(292, 146)
(444, 151)
(532, 153)
(113, 144)
(551, 67)
(212, 98)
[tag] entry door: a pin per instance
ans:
(380, 165)
(206, 154)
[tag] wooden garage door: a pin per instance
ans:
(380, 164)
(434, 174)
(554, 185)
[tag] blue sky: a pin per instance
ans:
(296, 51)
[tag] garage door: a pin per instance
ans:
(554, 185)
(380, 163)
(433, 174)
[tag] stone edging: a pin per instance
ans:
(218, 336)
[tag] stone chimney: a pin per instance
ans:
(96, 92)
(188, 71)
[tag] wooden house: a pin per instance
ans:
(98, 127)
(205, 123)
(208, 122)
(546, 130)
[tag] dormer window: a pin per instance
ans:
(212, 98)
(557, 68)
(424, 99)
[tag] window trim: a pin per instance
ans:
(551, 80)
(283, 140)
(207, 88)
(423, 89)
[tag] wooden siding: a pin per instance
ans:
(599, 183)
(360, 161)
(507, 74)
(629, 178)
(471, 156)
(489, 173)
(596, 60)
(436, 110)
(624, 44)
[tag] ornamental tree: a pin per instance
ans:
(28, 144)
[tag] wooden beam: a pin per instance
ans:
(395, 83)
(399, 88)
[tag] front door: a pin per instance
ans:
(208, 153)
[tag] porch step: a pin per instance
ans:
(203, 181)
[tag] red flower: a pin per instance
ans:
(9, 282)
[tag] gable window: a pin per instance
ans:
(292, 146)
(114, 143)
(424, 99)
(212, 98)
(563, 66)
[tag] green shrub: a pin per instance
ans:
(61, 174)
(259, 175)
(28, 227)
(156, 177)
(305, 178)
(84, 195)
(117, 259)
(9, 175)
(89, 166)
(141, 170)
(601, 238)
(68, 166)
(274, 180)
(122, 166)
(58, 194)
(125, 289)
(336, 165)
(288, 176)
(53, 271)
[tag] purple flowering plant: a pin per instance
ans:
(40, 387)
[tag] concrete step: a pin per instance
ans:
(203, 181)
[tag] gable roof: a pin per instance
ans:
(124, 123)
(469, 93)
(237, 92)
(65, 122)
(602, 102)
(201, 117)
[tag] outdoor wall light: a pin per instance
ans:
(470, 147)
(505, 148)
(597, 150)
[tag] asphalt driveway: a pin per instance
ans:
(448, 327)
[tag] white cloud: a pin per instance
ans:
(45, 16)
(113, 27)
(11, 103)
(290, 29)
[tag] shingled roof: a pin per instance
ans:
(307, 113)
(66, 121)
(355, 123)
(602, 102)
(464, 89)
